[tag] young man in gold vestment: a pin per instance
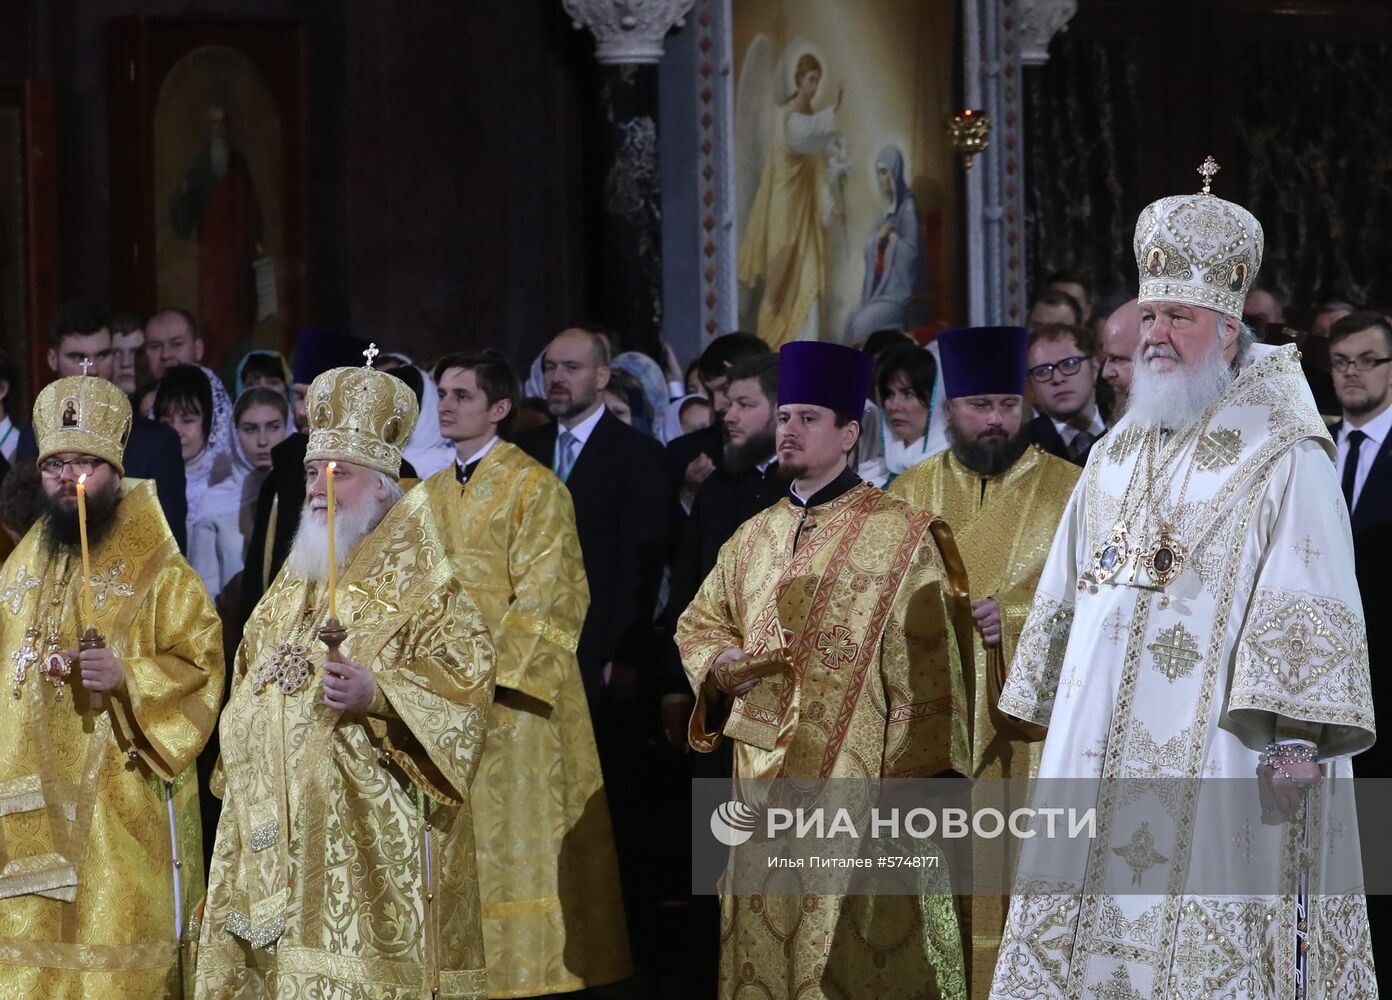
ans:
(553, 914)
(1004, 498)
(344, 865)
(860, 596)
(97, 747)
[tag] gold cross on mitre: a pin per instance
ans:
(1206, 170)
(371, 354)
(86, 363)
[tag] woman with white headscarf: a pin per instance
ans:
(184, 399)
(222, 524)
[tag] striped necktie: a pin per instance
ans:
(566, 460)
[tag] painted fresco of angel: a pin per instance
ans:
(788, 159)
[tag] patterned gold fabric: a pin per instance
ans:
(863, 611)
(362, 416)
(553, 916)
(1003, 527)
(344, 863)
(1259, 634)
(83, 414)
(87, 888)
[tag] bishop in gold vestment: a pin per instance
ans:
(553, 914)
(344, 865)
(1004, 498)
(852, 588)
(92, 785)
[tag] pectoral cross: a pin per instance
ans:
(86, 364)
(371, 354)
(1207, 169)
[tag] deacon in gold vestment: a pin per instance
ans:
(1004, 498)
(97, 757)
(344, 865)
(553, 914)
(852, 589)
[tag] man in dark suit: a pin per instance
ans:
(79, 343)
(616, 479)
(1360, 356)
(692, 457)
(746, 483)
(1063, 380)
(621, 493)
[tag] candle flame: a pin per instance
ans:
(332, 466)
(82, 479)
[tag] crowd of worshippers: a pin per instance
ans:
(662, 464)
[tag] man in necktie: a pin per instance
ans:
(1063, 377)
(1360, 348)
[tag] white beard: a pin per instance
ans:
(219, 152)
(1177, 398)
(309, 552)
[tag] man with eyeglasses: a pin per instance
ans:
(1360, 349)
(1063, 383)
(98, 790)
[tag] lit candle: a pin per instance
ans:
(333, 556)
(82, 534)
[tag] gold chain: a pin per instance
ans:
(47, 617)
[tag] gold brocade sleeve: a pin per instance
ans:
(705, 630)
(440, 685)
(171, 648)
(924, 673)
(1014, 610)
(540, 630)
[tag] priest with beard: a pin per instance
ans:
(1198, 617)
(1004, 497)
(845, 603)
(345, 864)
(102, 853)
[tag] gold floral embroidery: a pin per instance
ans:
(1218, 449)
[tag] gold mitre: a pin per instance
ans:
(86, 415)
(1199, 249)
(362, 416)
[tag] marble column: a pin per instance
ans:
(628, 36)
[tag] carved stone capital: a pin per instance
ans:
(1040, 21)
(628, 31)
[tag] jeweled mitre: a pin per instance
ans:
(1199, 249)
(360, 415)
(83, 414)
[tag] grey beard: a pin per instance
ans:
(1178, 398)
(219, 153)
(309, 552)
